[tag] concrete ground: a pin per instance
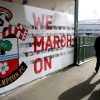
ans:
(72, 83)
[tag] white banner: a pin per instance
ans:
(33, 42)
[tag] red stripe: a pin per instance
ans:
(10, 29)
(3, 35)
(15, 31)
(8, 0)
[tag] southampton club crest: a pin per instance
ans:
(5, 17)
(10, 70)
(8, 56)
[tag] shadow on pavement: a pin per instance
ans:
(95, 95)
(79, 91)
(67, 68)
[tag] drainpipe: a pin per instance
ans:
(75, 30)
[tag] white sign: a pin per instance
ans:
(41, 40)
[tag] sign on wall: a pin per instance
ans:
(33, 42)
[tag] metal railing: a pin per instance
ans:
(85, 48)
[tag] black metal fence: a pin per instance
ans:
(85, 48)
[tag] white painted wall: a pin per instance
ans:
(57, 5)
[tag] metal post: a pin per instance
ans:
(75, 30)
